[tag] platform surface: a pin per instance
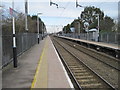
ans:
(22, 76)
(39, 67)
(112, 46)
(50, 72)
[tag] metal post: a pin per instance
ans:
(26, 13)
(38, 27)
(79, 29)
(65, 31)
(98, 27)
(116, 38)
(1, 54)
(14, 41)
(107, 38)
(42, 30)
(62, 31)
(101, 39)
(87, 35)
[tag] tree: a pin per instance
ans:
(41, 24)
(115, 27)
(89, 14)
(73, 24)
(66, 29)
(106, 24)
(20, 23)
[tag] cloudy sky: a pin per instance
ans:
(55, 18)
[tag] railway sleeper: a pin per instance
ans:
(78, 73)
(73, 66)
(87, 80)
(92, 85)
(83, 77)
(78, 70)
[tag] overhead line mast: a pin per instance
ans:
(78, 5)
(51, 3)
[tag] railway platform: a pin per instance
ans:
(111, 49)
(102, 44)
(39, 67)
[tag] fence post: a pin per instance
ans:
(107, 38)
(0, 51)
(115, 38)
(101, 37)
(0, 41)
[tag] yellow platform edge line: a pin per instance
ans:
(40, 60)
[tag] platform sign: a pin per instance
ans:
(13, 12)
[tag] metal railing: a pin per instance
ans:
(112, 38)
(24, 42)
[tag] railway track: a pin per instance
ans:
(106, 59)
(83, 75)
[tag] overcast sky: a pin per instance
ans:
(55, 18)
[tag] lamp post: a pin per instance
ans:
(78, 28)
(86, 25)
(1, 39)
(38, 26)
(42, 31)
(26, 13)
(98, 26)
(98, 31)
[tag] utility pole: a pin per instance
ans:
(38, 27)
(14, 41)
(98, 27)
(78, 5)
(62, 30)
(78, 24)
(1, 43)
(26, 13)
(65, 31)
(51, 3)
(42, 30)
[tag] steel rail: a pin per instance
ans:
(111, 86)
(76, 85)
(94, 56)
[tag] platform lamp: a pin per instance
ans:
(98, 17)
(38, 25)
(26, 13)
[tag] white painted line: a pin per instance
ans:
(69, 81)
(14, 42)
